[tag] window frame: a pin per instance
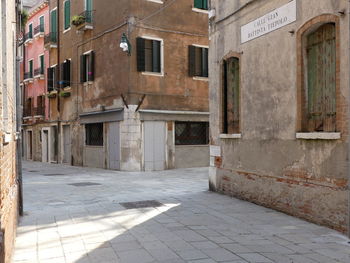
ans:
(64, 16)
(88, 78)
(188, 128)
(39, 62)
(303, 31)
(70, 74)
(238, 133)
(31, 61)
(43, 17)
(200, 10)
(201, 77)
(30, 26)
(102, 137)
(151, 73)
(50, 29)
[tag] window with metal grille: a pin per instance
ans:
(231, 97)
(191, 133)
(94, 134)
(198, 61)
(320, 115)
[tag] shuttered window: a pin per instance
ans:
(231, 96)
(87, 67)
(30, 30)
(66, 14)
(321, 79)
(52, 78)
(53, 21)
(30, 68)
(148, 55)
(201, 4)
(42, 24)
(42, 64)
(66, 73)
(198, 61)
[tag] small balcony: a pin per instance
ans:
(83, 21)
(28, 77)
(50, 40)
(39, 112)
(39, 73)
(28, 38)
(27, 112)
(39, 31)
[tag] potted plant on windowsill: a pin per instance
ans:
(78, 20)
(51, 95)
(65, 94)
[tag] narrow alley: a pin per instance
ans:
(75, 214)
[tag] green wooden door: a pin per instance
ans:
(321, 79)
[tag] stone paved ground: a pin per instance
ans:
(68, 223)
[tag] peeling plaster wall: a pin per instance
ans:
(268, 166)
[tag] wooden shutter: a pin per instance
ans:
(224, 100)
(140, 45)
(49, 79)
(205, 4)
(56, 77)
(42, 25)
(67, 14)
(321, 79)
(91, 73)
(198, 4)
(67, 73)
(204, 62)
(156, 67)
(53, 21)
(191, 60)
(82, 68)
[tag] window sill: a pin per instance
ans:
(66, 30)
(87, 83)
(198, 10)
(231, 136)
(318, 135)
(201, 78)
(191, 145)
(67, 89)
(156, 1)
(146, 73)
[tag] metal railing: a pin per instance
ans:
(50, 38)
(27, 112)
(28, 36)
(39, 29)
(39, 111)
(28, 75)
(88, 16)
(38, 71)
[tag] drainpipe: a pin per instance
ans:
(58, 86)
(348, 136)
(18, 121)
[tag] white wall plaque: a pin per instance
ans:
(215, 151)
(274, 20)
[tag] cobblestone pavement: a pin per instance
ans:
(73, 214)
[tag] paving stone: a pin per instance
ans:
(87, 224)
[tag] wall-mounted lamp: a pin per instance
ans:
(125, 44)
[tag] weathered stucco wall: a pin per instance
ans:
(268, 165)
(187, 156)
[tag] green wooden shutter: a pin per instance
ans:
(224, 99)
(31, 68)
(67, 73)
(88, 5)
(191, 61)
(205, 4)
(42, 64)
(233, 94)
(91, 73)
(321, 79)
(42, 24)
(30, 29)
(83, 68)
(204, 62)
(140, 46)
(53, 21)
(156, 67)
(67, 14)
(49, 79)
(198, 4)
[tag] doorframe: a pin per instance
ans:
(62, 143)
(28, 149)
(108, 146)
(48, 129)
(143, 144)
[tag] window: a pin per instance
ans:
(66, 14)
(231, 96)
(87, 67)
(30, 68)
(149, 55)
(30, 30)
(198, 61)
(42, 64)
(191, 133)
(53, 22)
(320, 104)
(52, 78)
(201, 4)
(65, 73)
(94, 134)
(88, 11)
(41, 24)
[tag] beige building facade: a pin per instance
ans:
(279, 92)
